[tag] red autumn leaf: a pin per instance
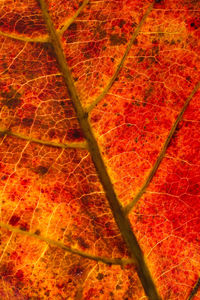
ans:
(100, 160)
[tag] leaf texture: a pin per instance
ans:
(91, 94)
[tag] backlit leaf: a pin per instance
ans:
(99, 157)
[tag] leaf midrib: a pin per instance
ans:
(117, 210)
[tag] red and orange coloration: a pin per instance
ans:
(134, 66)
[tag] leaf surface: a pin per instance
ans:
(134, 70)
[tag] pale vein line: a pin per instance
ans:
(128, 208)
(121, 220)
(79, 145)
(120, 65)
(65, 25)
(110, 261)
(45, 38)
(42, 39)
(5, 248)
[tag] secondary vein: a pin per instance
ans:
(65, 25)
(128, 208)
(79, 145)
(194, 290)
(120, 65)
(42, 39)
(121, 220)
(110, 261)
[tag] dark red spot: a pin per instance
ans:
(25, 182)
(82, 243)
(73, 27)
(11, 98)
(14, 255)
(188, 78)
(76, 270)
(116, 40)
(41, 170)
(159, 3)
(75, 134)
(27, 122)
(118, 287)
(37, 232)
(11, 103)
(24, 226)
(14, 220)
(68, 113)
(121, 23)
(20, 274)
(194, 189)
(6, 269)
(60, 285)
(80, 3)
(92, 292)
(193, 24)
(71, 33)
(100, 276)
(108, 229)
(52, 133)
(95, 118)
(2, 134)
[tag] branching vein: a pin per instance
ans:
(110, 261)
(117, 210)
(45, 38)
(128, 208)
(120, 65)
(64, 26)
(42, 39)
(79, 145)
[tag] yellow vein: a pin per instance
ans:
(42, 39)
(79, 145)
(72, 19)
(194, 290)
(128, 208)
(120, 65)
(121, 220)
(110, 261)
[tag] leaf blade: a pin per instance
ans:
(120, 218)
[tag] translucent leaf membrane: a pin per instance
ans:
(34, 101)
(51, 195)
(134, 119)
(47, 190)
(95, 43)
(33, 269)
(61, 11)
(132, 123)
(21, 17)
(56, 192)
(23, 62)
(167, 217)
